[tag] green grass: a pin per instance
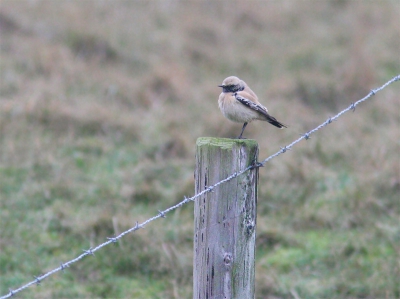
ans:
(100, 108)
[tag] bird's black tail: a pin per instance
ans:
(272, 120)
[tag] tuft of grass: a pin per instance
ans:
(90, 47)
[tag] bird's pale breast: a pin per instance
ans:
(234, 110)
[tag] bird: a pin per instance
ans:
(239, 103)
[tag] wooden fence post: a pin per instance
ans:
(225, 219)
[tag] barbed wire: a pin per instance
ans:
(162, 214)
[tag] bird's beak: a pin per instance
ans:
(220, 85)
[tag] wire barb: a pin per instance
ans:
(306, 136)
(37, 280)
(89, 251)
(285, 149)
(136, 226)
(353, 107)
(209, 189)
(112, 239)
(162, 214)
(63, 266)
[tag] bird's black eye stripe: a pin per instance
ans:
(233, 88)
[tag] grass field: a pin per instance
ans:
(101, 103)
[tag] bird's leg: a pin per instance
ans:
(241, 133)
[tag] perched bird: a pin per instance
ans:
(239, 103)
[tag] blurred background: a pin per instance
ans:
(101, 103)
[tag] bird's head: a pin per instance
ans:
(232, 84)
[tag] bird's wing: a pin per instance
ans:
(259, 108)
(246, 100)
